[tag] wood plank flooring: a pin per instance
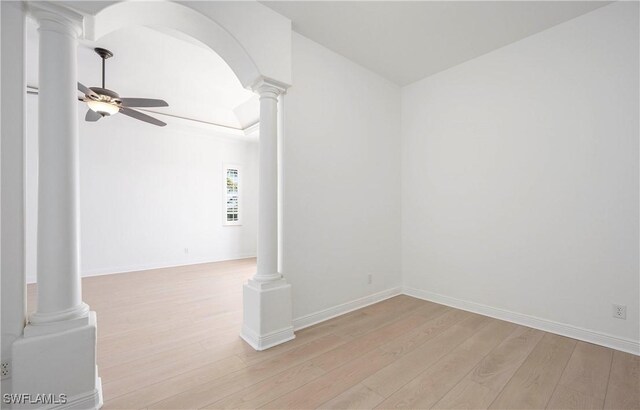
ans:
(168, 339)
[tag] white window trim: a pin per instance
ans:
(225, 167)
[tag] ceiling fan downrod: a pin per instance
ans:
(104, 54)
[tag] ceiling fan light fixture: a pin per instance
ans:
(103, 108)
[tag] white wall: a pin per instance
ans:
(12, 193)
(520, 178)
(148, 193)
(341, 180)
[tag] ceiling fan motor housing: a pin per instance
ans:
(104, 101)
(105, 94)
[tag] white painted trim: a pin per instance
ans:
(199, 127)
(563, 329)
(326, 314)
(91, 400)
(252, 129)
(262, 81)
(149, 266)
(269, 340)
(210, 130)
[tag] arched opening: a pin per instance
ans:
(155, 197)
(63, 329)
(173, 16)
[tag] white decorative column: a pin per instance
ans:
(267, 296)
(59, 289)
(57, 353)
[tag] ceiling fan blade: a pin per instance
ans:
(86, 90)
(143, 102)
(92, 116)
(142, 117)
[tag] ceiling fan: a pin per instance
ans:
(103, 102)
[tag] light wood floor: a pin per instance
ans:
(168, 338)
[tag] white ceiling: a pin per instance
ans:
(156, 63)
(402, 41)
(405, 41)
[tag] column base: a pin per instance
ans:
(66, 316)
(57, 369)
(267, 314)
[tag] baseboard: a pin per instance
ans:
(269, 340)
(563, 329)
(326, 314)
(149, 266)
(92, 400)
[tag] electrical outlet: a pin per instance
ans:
(370, 279)
(620, 311)
(186, 250)
(6, 370)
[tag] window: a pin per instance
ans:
(231, 187)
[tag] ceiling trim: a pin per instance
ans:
(250, 130)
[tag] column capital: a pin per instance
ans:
(268, 88)
(52, 17)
